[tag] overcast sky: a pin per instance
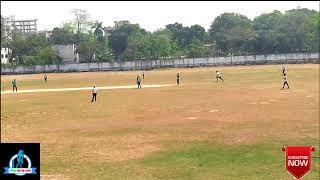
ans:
(150, 15)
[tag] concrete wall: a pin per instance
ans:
(177, 63)
(66, 52)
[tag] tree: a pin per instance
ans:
(48, 55)
(267, 21)
(137, 47)
(103, 52)
(37, 41)
(32, 49)
(130, 29)
(160, 45)
(197, 49)
(312, 28)
(185, 35)
(150, 46)
(295, 31)
(118, 41)
(232, 31)
(22, 44)
(197, 32)
(43, 56)
(230, 34)
(88, 47)
(19, 45)
(267, 40)
(29, 60)
(69, 26)
(178, 33)
(94, 46)
(62, 36)
(81, 19)
(174, 50)
(104, 55)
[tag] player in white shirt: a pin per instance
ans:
(285, 81)
(218, 76)
(94, 94)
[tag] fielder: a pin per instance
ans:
(283, 69)
(285, 81)
(14, 85)
(45, 78)
(218, 76)
(139, 82)
(94, 94)
(178, 78)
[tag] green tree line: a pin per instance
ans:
(296, 30)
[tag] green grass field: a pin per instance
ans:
(199, 130)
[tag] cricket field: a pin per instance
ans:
(198, 130)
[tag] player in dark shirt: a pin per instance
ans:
(139, 81)
(178, 78)
(14, 85)
(283, 69)
(45, 78)
(285, 81)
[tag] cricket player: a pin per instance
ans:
(283, 69)
(218, 76)
(45, 78)
(20, 158)
(178, 79)
(14, 85)
(142, 75)
(94, 94)
(139, 82)
(285, 81)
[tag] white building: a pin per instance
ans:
(25, 25)
(5, 55)
(67, 53)
(118, 24)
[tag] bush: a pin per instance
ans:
(9, 65)
(43, 56)
(30, 60)
(196, 49)
(48, 56)
(104, 55)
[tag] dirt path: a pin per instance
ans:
(86, 88)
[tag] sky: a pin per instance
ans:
(149, 15)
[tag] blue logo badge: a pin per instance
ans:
(17, 169)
